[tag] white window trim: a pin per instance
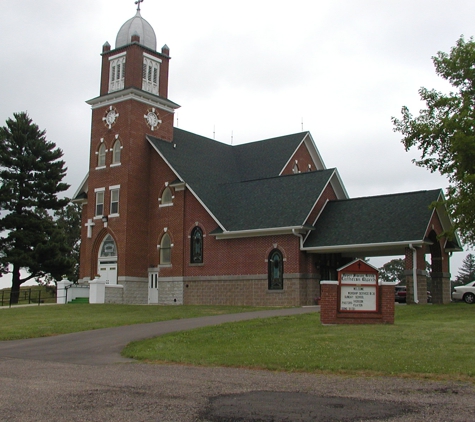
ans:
(96, 191)
(114, 165)
(170, 204)
(117, 188)
(116, 56)
(149, 56)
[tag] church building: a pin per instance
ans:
(172, 217)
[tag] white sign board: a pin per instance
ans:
(358, 298)
(349, 278)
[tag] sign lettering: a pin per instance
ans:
(358, 298)
(348, 278)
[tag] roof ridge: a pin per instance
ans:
(272, 138)
(280, 176)
(385, 195)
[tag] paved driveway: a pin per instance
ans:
(81, 377)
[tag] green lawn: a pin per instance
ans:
(41, 321)
(426, 341)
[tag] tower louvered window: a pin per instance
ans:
(117, 73)
(150, 74)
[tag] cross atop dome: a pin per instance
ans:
(138, 4)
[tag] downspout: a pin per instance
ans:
(300, 236)
(414, 272)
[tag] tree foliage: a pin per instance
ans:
(68, 220)
(393, 271)
(467, 270)
(31, 173)
(444, 132)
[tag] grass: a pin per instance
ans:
(434, 342)
(42, 321)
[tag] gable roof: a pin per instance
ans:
(377, 225)
(277, 202)
(194, 156)
(237, 189)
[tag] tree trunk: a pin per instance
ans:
(16, 283)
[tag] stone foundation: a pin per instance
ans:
(250, 291)
(170, 291)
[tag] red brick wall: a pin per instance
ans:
(303, 158)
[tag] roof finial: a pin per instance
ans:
(138, 4)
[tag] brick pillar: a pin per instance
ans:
(441, 288)
(387, 302)
(329, 301)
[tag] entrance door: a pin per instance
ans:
(108, 272)
(153, 287)
(107, 262)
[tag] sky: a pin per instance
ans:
(245, 71)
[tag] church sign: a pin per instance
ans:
(358, 288)
(357, 297)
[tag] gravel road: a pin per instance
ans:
(48, 391)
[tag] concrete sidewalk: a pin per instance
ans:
(101, 347)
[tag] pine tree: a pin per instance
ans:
(31, 173)
(467, 270)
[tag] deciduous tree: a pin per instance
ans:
(444, 132)
(393, 271)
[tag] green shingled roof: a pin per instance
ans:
(394, 218)
(241, 185)
(283, 201)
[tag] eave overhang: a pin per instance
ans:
(260, 232)
(80, 196)
(133, 94)
(368, 249)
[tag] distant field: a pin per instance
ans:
(433, 341)
(30, 295)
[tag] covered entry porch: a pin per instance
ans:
(414, 225)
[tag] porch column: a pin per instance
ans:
(440, 275)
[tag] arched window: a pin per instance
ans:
(108, 248)
(295, 169)
(101, 156)
(196, 246)
(275, 270)
(116, 149)
(165, 250)
(167, 197)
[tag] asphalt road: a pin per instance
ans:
(81, 377)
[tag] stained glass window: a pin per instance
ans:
(276, 270)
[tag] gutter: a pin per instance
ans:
(414, 271)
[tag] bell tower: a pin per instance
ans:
(132, 103)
